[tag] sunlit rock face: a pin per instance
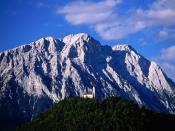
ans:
(34, 76)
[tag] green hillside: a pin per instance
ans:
(78, 114)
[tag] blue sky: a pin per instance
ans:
(147, 25)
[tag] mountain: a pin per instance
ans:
(110, 114)
(36, 75)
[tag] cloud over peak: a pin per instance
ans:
(105, 18)
(168, 54)
(167, 60)
(85, 12)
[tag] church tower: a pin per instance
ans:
(90, 94)
(93, 90)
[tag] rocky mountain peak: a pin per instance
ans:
(36, 75)
(76, 37)
(123, 47)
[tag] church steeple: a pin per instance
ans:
(93, 90)
(90, 94)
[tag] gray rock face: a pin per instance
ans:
(34, 76)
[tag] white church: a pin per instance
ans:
(90, 94)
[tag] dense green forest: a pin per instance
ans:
(78, 114)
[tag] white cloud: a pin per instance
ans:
(160, 12)
(167, 61)
(83, 12)
(102, 16)
(168, 54)
(105, 19)
(169, 69)
(118, 29)
(165, 34)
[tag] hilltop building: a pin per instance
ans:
(90, 94)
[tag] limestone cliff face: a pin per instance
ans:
(34, 76)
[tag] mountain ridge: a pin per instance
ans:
(34, 76)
